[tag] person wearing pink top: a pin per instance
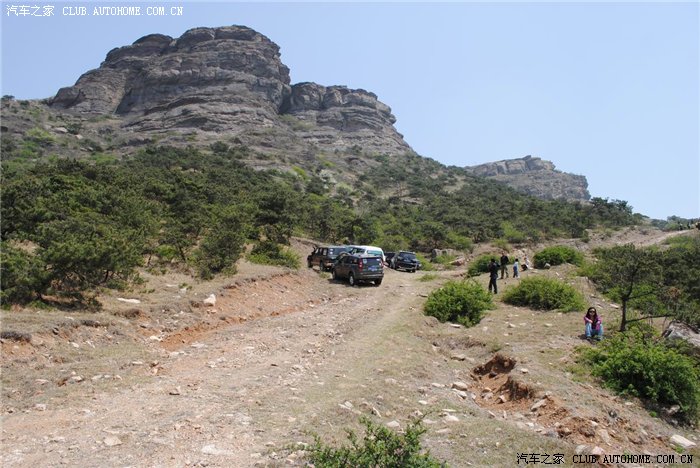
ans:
(594, 324)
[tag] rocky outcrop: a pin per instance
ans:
(536, 177)
(330, 112)
(229, 79)
(209, 78)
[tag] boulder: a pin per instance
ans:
(681, 331)
(682, 441)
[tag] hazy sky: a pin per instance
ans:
(609, 91)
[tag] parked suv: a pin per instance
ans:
(324, 256)
(405, 261)
(359, 267)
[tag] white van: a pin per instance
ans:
(369, 250)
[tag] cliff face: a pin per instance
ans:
(229, 85)
(535, 177)
(228, 79)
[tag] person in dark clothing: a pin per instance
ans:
(504, 265)
(493, 276)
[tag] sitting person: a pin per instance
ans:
(594, 324)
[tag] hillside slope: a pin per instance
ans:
(282, 355)
(226, 86)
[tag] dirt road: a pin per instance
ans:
(294, 354)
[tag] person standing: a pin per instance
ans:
(516, 268)
(504, 265)
(493, 276)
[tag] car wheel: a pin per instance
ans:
(351, 279)
(335, 275)
(413, 271)
(377, 282)
(309, 264)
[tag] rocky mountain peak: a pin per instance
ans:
(228, 79)
(536, 177)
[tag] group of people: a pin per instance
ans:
(593, 323)
(494, 267)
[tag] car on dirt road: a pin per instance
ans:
(358, 268)
(324, 256)
(405, 260)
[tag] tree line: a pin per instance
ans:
(70, 226)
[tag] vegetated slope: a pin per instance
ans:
(224, 86)
(177, 151)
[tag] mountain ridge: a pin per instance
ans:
(228, 84)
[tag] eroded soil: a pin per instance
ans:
(171, 381)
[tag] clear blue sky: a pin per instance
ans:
(609, 91)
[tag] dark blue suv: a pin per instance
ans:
(405, 261)
(359, 267)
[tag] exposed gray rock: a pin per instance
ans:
(228, 80)
(681, 331)
(536, 177)
(682, 441)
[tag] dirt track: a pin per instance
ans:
(297, 353)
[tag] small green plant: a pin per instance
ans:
(444, 259)
(546, 294)
(511, 234)
(480, 265)
(634, 364)
(428, 277)
(271, 253)
(379, 447)
(557, 255)
(425, 264)
(463, 302)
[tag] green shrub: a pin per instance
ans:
(271, 253)
(459, 301)
(557, 255)
(444, 259)
(545, 293)
(632, 363)
(22, 275)
(425, 264)
(459, 242)
(511, 234)
(379, 447)
(480, 265)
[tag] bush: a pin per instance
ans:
(480, 265)
(380, 447)
(22, 276)
(632, 363)
(425, 264)
(545, 293)
(459, 301)
(271, 253)
(557, 255)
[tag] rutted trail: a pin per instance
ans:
(238, 393)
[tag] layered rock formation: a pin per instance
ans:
(535, 177)
(228, 79)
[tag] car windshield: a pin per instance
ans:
(374, 252)
(408, 256)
